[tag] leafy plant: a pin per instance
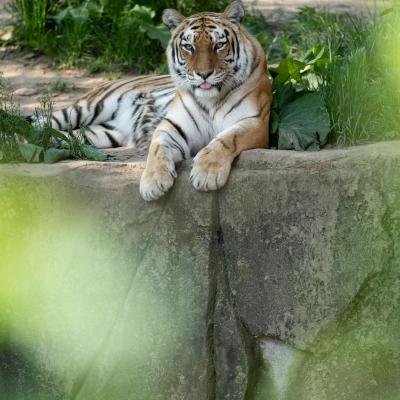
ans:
(22, 141)
(356, 82)
(299, 118)
(59, 85)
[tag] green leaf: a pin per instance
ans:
(55, 134)
(93, 154)
(283, 95)
(158, 32)
(287, 70)
(274, 123)
(1, 155)
(387, 11)
(53, 155)
(304, 124)
(30, 152)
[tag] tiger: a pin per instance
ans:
(214, 104)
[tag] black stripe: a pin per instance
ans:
(178, 129)
(107, 126)
(91, 130)
(157, 92)
(188, 112)
(227, 94)
(255, 65)
(97, 110)
(135, 110)
(114, 143)
(173, 52)
(100, 104)
(204, 109)
(265, 106)
(57, 122)
(256, 62)
(166, 105)
(237, 46)
(239, 102)
(78, 116)
(87, 137)
(176, 144)
(114, 114)
(136, 123)
(254, 116)
(65, 115)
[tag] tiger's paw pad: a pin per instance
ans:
(154, 184)
(209, 173)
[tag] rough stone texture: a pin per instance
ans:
(310, 234)
(104, 296)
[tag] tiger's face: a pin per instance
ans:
(204, 50)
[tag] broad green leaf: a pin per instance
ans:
(93, 154)
(304, 124)
(30, 152)
(316, 54)
(283, 95)
(158, 32)
(53, 155)
(288, 69)
(55, 134)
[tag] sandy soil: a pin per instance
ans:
(29, 74)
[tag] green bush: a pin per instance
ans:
(354, 64)
(362, 89)
(101, 34)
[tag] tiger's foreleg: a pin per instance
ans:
(167, 147)
(213, 163)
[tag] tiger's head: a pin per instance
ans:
(206, 52)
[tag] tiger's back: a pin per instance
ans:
(119, 113)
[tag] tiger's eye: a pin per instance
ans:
(220, 45)
(188, 47)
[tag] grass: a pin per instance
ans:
(359, 77)
(60, 86)
(9, 128)
(362, 89)
(339, 33)
(106, 35)
(21, 141)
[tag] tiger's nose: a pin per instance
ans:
(203, 74)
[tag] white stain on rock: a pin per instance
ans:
(280, 359)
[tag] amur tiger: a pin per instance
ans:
(214, 104)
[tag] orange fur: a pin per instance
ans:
(212, 163)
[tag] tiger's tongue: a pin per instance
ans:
(206, 85)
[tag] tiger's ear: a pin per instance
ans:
(172, 18)
(235, 12)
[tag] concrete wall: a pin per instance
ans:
(283, 285)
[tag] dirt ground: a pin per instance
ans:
(29, 75)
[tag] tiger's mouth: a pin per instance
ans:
(206, 86)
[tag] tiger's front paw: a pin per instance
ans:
(157, 180)
(210, 170)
